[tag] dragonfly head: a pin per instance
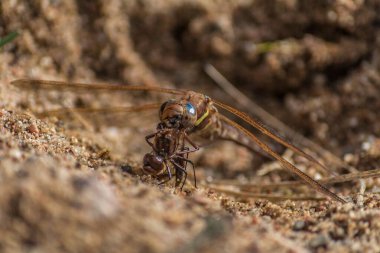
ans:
(178, 114)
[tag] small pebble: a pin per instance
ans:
(33, 129)
(318, 241)
(299, 225)
(15, 153)
(74, 140)
(127, 169)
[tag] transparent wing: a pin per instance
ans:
(317, 186)
(261, 127)
(273, 197)
(58, 85)
(326, 181)
(104, 110)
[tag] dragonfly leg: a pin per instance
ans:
(186, 150)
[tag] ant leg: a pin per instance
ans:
(182, 169)
(184, 151)
(184, 155)
(148, 140)
(165, 181)
(192, 165)
(169, 175)
(187, 157)
(168, 169)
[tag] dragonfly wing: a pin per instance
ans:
(106, 116)
(104, 110)
(263, 129)
(59, 85)
(326, 181)
(233, 134)
(317, 186)
(273, 197)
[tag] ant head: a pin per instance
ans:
(176, 114)
(153, 164)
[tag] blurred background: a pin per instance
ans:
(312, 64)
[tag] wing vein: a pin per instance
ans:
(121, 109)
(260, 126)
(317, 186)
(59, 85)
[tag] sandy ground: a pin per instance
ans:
(74, 183)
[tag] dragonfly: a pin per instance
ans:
(194, 113)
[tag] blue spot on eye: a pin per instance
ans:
(190, 108)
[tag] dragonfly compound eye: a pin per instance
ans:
(190, 109)
(190, 116)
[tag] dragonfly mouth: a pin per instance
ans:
(175, 120)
